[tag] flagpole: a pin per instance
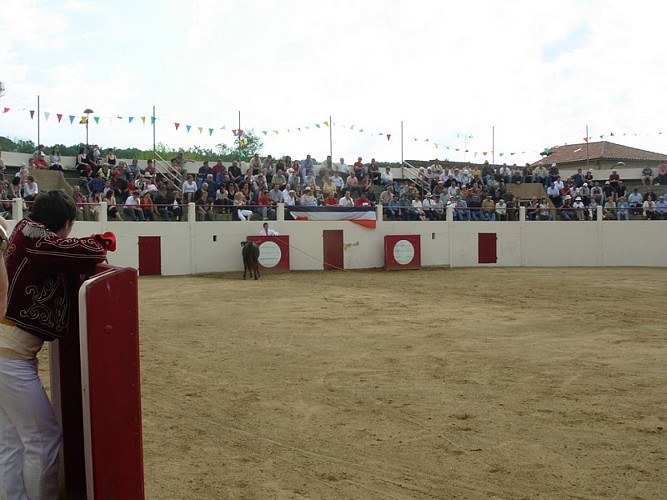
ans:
(493, 145)
(402, 159)
(586, 147)
(38, 123)
(154, 148)
(238, 134)
(331, 139)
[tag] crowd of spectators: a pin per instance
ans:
(483, 193)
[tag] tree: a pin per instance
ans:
(245, 145)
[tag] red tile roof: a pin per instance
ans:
(598, 151)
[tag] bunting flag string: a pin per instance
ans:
(313, 126)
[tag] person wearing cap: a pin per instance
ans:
(501, 210)
(289, 197)
(308, 199)
(578, 207)
(428, 205)
(566, 212)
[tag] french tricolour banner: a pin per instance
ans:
(364, 215)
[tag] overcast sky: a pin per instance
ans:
(523, 75)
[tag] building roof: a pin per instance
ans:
(598, 151)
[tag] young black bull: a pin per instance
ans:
(250, 253)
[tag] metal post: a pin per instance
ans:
(39, 141)
(331, 139)
(153, 120)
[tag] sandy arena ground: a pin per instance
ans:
(465, 383)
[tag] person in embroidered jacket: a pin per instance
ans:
(44, 267)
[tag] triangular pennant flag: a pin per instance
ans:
(234, 132)
(501, 154)
(119, 117)
(436, 145)
(307, 127)
(129, 119)
(352, 127)
(210, 132)
(275, 132)
(326, 123)
(224, 127)
(317, 125)
(361, 130)
(71, 119)
(177, 125)
(97, 119)
(585, 139)
(152, 120)
(5, 110)
(188, 127)
(60, 117)
(264, 132)
(143, 120)
(484, 153)
(200, 129)
(388, 136)
(46, 115)
(83, 120)
(32, 114)
(611, 134)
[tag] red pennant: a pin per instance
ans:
(32, 114)
(388, 136)
(5, 110)
(60, 117)
(177, 125)
(585, 139)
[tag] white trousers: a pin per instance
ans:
(30, 435)
(244, 213)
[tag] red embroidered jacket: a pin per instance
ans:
(44, 275)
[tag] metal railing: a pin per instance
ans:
(163, 167)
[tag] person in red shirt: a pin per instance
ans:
(331, 200)
(362, 201)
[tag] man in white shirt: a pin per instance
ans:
(266, 231)
(346, 201)
(342, 168)
(132, 206)
(338, 181)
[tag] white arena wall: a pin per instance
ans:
(209, 247)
